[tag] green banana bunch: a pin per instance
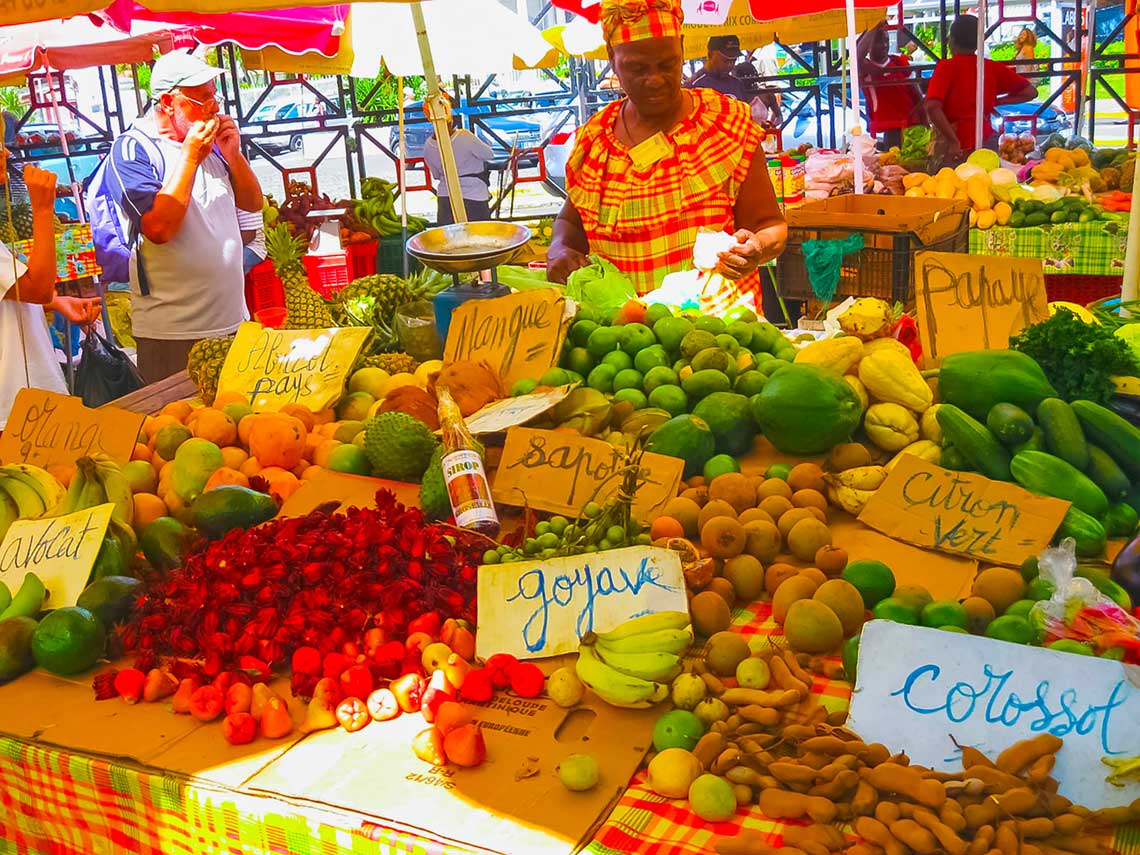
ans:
(662, 632)
(115, 488)
(633, 664)
(85, 490)
(614, 687)
(5, 597)
(28, 600)
(26, 492)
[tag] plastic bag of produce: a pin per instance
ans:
(600, 285)
(415, 327)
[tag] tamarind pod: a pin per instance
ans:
(826, 745)
(911, 834)
(1036, 828)
(708, 748)
(873, 831)
(838, 787)
(757, 742)
(900, 759)
(995, 780)
(1006, 838)
(1068, 823)
(1056, 803)
(971, 756)
(816, 761)
(944, 777)
(759, 760)
(1083, 845)
(757, 714)
(778, 804)
(864, 849)
(793, 773)
(906, 811)
(720, 727)
(838, 765)
(982, 842)
(727, 759)
(714, 684)
(749, 728)
(700, 667)
(1049, 785)
(800, 674)
(874, 754)
(733, 721)
(750, 843)
(837, 718)
(1110, 816)
(744, 775)
(945, 834)
(887, 812)
(743, 794)
(815, 715)
(907, 781)
(783, 677)
(824, 835)
(952, 817)
(1041, 768)
(832, 670)
(798, 732)
(1085, 813)
(745, 697)
(1019, 756)
(865, 798)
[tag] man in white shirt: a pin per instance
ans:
(195, 212)
(472, 157)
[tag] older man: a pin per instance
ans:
(195, 202)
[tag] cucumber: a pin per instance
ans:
(974, 441)
(1063, 435)
(1120, 520)
(1104, 472)
(1112, 433)
(1088, 533)
(1010, 424)
(1036, 442)
(1043, 473)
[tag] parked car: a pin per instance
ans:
(1049, 121)
(499, 130)
(279, 128)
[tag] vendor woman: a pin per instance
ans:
(650, 171)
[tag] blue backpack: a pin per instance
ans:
(115, 234)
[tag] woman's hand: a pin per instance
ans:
(81, 311)
(41, 189)
(748, 254)
(561, 261)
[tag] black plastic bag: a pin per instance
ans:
(105, 372)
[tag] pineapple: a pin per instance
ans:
(306, 310)
(396, 363)
(19, 225)
(373, 300)
(204, 365)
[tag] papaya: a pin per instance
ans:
(231, 506)
(111, 598)
(687, 438)
(806, 410)
(730, 419)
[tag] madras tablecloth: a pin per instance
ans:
(1074, 249)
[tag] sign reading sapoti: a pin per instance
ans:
(952, 689)
(533, 608)
(46, 428)
(520, 336)
(975, 302)
(963, 513)
(272, 368)
(560, 472)
(60, 550)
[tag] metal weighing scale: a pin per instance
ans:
(467, 248)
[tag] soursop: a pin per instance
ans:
(434, 500)
(398, 446)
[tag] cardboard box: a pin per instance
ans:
(930, 220)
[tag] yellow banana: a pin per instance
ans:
(614, 687)
(8, 512)
(657, 667)
(93, 493)
(116, 488)
(659, 641)
(645, 623)
(849, 498)
(40, 480)
(860, 477)
(925, 449)
(29, 504)
(70, 501)
(28, 600)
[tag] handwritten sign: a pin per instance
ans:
(60, 550)
(272, 368)
(537, 608)
(46, 428)
(990, 694)
(520, 335)
(962, 513)
(558, 471)
(975, 302)
(508, 412)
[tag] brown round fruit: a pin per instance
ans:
(831, 560)
(811, 627)
(700, 495)
(686, 512)
(710, 613)
(755, 514)
(697, 481)
(776, 575)
(775, 506)
(799, 587)
(815, 574)
(809, 499)
(844, 599)
(774, 487)
(807, 537)
(723, 537)
(807, 476)
(747, 577)
(762, 540)
(756, 481)
(724, 588)
(1001, 586)
(979, 613)
(735, 489)
(818, 514)
(715, 508)
(788, 520)
(725, 651)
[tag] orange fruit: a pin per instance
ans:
(251, 467)
(303, 414)
(223, 398)
(325, 416)
(282, 482)
(215, 426)
(156, 423)
(141, 452)
(180, 410)
(310, 471)
(666, 527)
(323, 450)
(226, 475)
(148, 508)
(62, 472)
(234, 456)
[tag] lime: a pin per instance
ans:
(672, 399)
(741, 331)
(1029, 568)
(602, 378)
(575, 377)
(579, 360)
(764, 337)
(1071, 645)
(892, 608)
(636, 337)
(952, 628)
(943, 613)
(762, 357)
(712, 798)
(580, 332)
(710, 324)
(619, 359)
(628, 378)
(727, 343)
(1021, 608)
(523, 387)
(670, 331)
(68, 640)
(602, 341)
(677, 729)
(656, 312)
(851, 657)
(873, 579)
(1011, 628)
(1039, 589)
(650, 357)
(349, 458)
(741, 314)
(554, 377)
(662, 375)
(779, 470)
(720, 464)
(750, 383)
(586, 313)
(633, 396)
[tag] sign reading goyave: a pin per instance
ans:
(535, 608)
(953, 690)
(271, 368)
(46, 428)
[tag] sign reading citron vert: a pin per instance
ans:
(271, 368)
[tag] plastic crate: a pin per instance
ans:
(390, 256)
(328, 273)
(1081, 290)
(362, 258)
(263, 289)
(894, 229)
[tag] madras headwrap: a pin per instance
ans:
(636, 20)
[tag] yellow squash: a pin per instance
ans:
(835, 355)
(893, 378)
(891, 427)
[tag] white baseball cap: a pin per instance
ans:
(180, 68)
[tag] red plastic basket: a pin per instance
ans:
(263, 290)
(1081, 290)
(362, 259)
(328, 273)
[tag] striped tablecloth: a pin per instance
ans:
(1071, 249)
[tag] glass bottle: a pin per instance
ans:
(463, 472)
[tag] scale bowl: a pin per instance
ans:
(468, 247)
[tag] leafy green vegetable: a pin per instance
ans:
(600, 285)
(1078, 358)
(522, 278)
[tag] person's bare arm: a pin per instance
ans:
(161, 223)
(761, 231)
(1026, 93)
(37, 284)
(247, 189)
(937, 116)
(569, 246)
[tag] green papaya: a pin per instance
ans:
(977, 380)
(230, 506)
(805, 410)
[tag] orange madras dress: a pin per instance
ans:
(645, 219)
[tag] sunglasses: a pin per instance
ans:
(213, 99)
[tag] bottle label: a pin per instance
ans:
(468, 489)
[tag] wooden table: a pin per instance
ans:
(152, 398)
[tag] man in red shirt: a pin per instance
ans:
(893, 103)
(952, 95)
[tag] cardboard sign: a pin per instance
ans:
(558, 471)
(963, 513)
(975, 302)
(990, 694)
(520, 335)
(272, 368)
(46, 428)
(60, 550)
(508, 412)
(537, 608)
